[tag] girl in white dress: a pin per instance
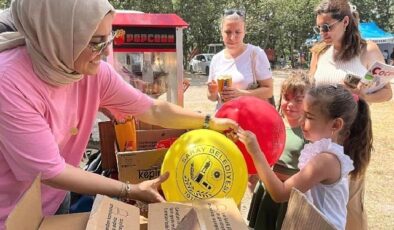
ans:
(337, 123)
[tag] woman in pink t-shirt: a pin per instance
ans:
(52, 84)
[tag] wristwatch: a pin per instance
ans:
(206, 121)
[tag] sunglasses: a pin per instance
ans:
(100, 47)
(325, 27)
(234, 11)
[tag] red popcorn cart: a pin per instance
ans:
(148, 53)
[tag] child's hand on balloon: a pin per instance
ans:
(231, 134)
(249, 140)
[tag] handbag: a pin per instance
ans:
(255, 84)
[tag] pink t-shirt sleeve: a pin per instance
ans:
(26, 136)
(118, 96)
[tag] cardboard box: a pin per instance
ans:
(109, 213)
(204, 214)
(146, 140)
(138, 166)
(146, 126)
(27, 214)
(106, 212)
(302, 214)
(144, 164)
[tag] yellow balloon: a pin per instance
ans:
(204, 164)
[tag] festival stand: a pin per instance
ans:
(148, 53)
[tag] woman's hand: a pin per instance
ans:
(230, 93)
(147, 191)
(250, 141)
(359, 90)
(223, 124)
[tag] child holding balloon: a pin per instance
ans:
(338, 125)
(264, 213)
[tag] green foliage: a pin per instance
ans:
(379, 11)
(4, 4)
(283, 25)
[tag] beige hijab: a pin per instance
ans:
(55, 33)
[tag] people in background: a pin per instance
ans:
(342, 51)
(386, 56)
(53, 81)
(239, 61)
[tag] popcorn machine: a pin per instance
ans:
(148, 53)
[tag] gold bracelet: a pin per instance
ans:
(128, 190)
(125, 191)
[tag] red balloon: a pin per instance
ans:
(261, 118)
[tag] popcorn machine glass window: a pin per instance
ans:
(147, 71)
(147, 52)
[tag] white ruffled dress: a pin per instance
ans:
(330, 199)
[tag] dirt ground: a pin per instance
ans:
(379, 198)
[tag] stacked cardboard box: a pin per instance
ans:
(108, 213)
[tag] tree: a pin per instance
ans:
(283, 25)
(5, 4)
(379, 11)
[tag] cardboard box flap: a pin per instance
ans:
(211, 214)
(76, 221)
(301, 213)
(108, 213)
(220, 213)
(190, 221)
(27, 214)
(166, 215)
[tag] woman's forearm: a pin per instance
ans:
(261, 92)
(385, 94)
(265, 90)
(169, 115)
(80, 181)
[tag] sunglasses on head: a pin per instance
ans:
(234, 11)
(325, 27)
(99, 47)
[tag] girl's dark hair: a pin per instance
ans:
(352, 43)
(297, 82)
(335, 101)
